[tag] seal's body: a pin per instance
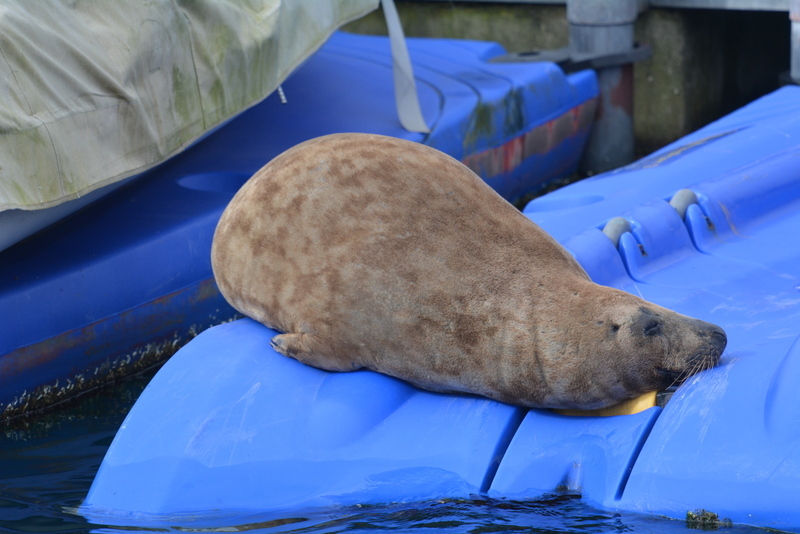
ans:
(378, 253)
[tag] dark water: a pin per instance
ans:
(47, 465)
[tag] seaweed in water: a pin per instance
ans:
(705, 520)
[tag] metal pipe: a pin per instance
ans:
(794, 16)
(606, 27)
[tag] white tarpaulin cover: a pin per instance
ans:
(93, 91)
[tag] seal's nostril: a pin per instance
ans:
(719, 337)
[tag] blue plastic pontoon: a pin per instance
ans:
(228, 428)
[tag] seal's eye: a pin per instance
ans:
(652, 328)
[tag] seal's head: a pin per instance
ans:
(626, 346)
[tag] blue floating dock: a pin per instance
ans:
(228, 428)
(121, 284)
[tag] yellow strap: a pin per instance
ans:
(628, 407)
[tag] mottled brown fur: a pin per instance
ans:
(373, 252)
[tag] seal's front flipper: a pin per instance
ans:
(301, 348)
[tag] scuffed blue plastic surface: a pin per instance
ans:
(505, 102)
(734, 145)
(728, 441)
(132, 272)
(229, 424)
(590, 455)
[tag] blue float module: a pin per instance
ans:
(229, 431)
(117, 286)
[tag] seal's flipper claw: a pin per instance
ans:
(300, 347)
(281, 343)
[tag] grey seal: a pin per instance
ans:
(379, 253)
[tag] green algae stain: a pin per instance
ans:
(489, 121)
(217, 109)
(514, 116)
(183, 92)
(481, 125)
(20, 195)
(33, 152)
